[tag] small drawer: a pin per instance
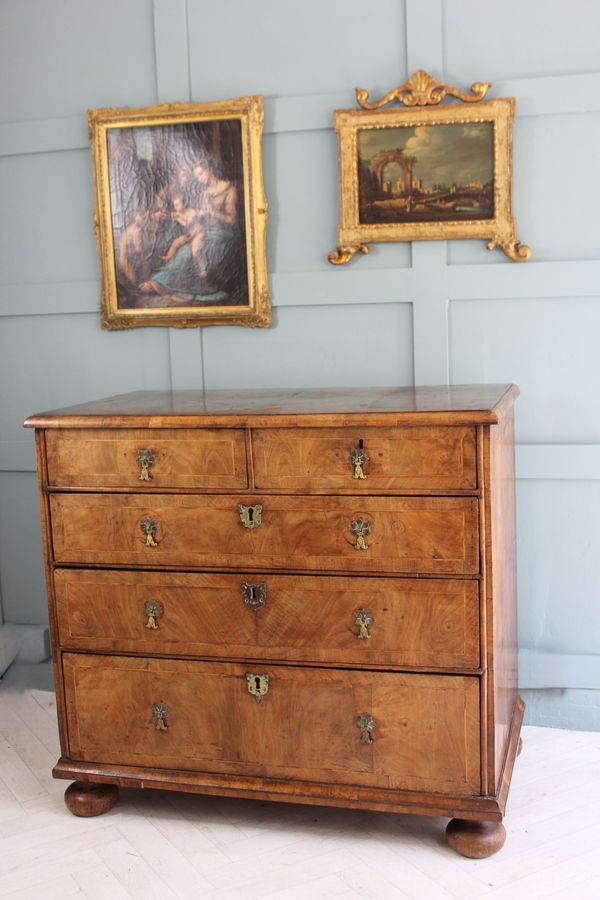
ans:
(367, 459)
(403, 731)
(211, 458)
(400, 622)
(368, 535)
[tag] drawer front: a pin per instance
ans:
(365, 459)
(376, 534)
(137, 458)
(303, 725)
(356, 621)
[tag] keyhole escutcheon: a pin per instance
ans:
(250, 516)
(258, 685)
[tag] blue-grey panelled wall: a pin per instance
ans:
(427, 313)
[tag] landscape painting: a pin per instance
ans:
(426, 173)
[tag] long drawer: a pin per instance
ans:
(403, 622)
(365, 459)
(413, 732)
(422, 535)
(211, 458)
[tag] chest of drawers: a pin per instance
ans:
(305, 596)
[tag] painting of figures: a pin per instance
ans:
(178, 215)
(181, 214)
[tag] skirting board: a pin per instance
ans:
(539, 669)
(9, 647)
(25, 643)
(576, 710)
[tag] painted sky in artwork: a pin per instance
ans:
(445, 154)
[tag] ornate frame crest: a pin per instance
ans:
(412, 210)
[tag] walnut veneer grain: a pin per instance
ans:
(182, 458)
(429, 535)
(398, 459)
(391, 661)
(426, 734)
(416, 623)
(458, 404)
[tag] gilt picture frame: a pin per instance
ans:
(423, 171)
(180, 214)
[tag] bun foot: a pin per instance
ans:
(475, 839)
(85, 799)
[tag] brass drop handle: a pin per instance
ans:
(360, 529)
(160, 712)
(258, 685)
(149, 528)
(358, 460)
(363, 619)
(366, 724)
(250, 516)
(254, 595)
(153, 610)
(145, 459)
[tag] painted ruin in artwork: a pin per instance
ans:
(426, 173)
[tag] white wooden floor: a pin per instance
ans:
(156, 844)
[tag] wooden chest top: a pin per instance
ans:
(446, 405)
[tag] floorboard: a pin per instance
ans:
(164, 845)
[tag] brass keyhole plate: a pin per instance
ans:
(258, 685)
(250, 516)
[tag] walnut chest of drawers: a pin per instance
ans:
(305, 596)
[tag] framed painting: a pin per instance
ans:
(426, 172)
(180, 214)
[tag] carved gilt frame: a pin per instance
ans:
(421, 95)
(123, 303)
